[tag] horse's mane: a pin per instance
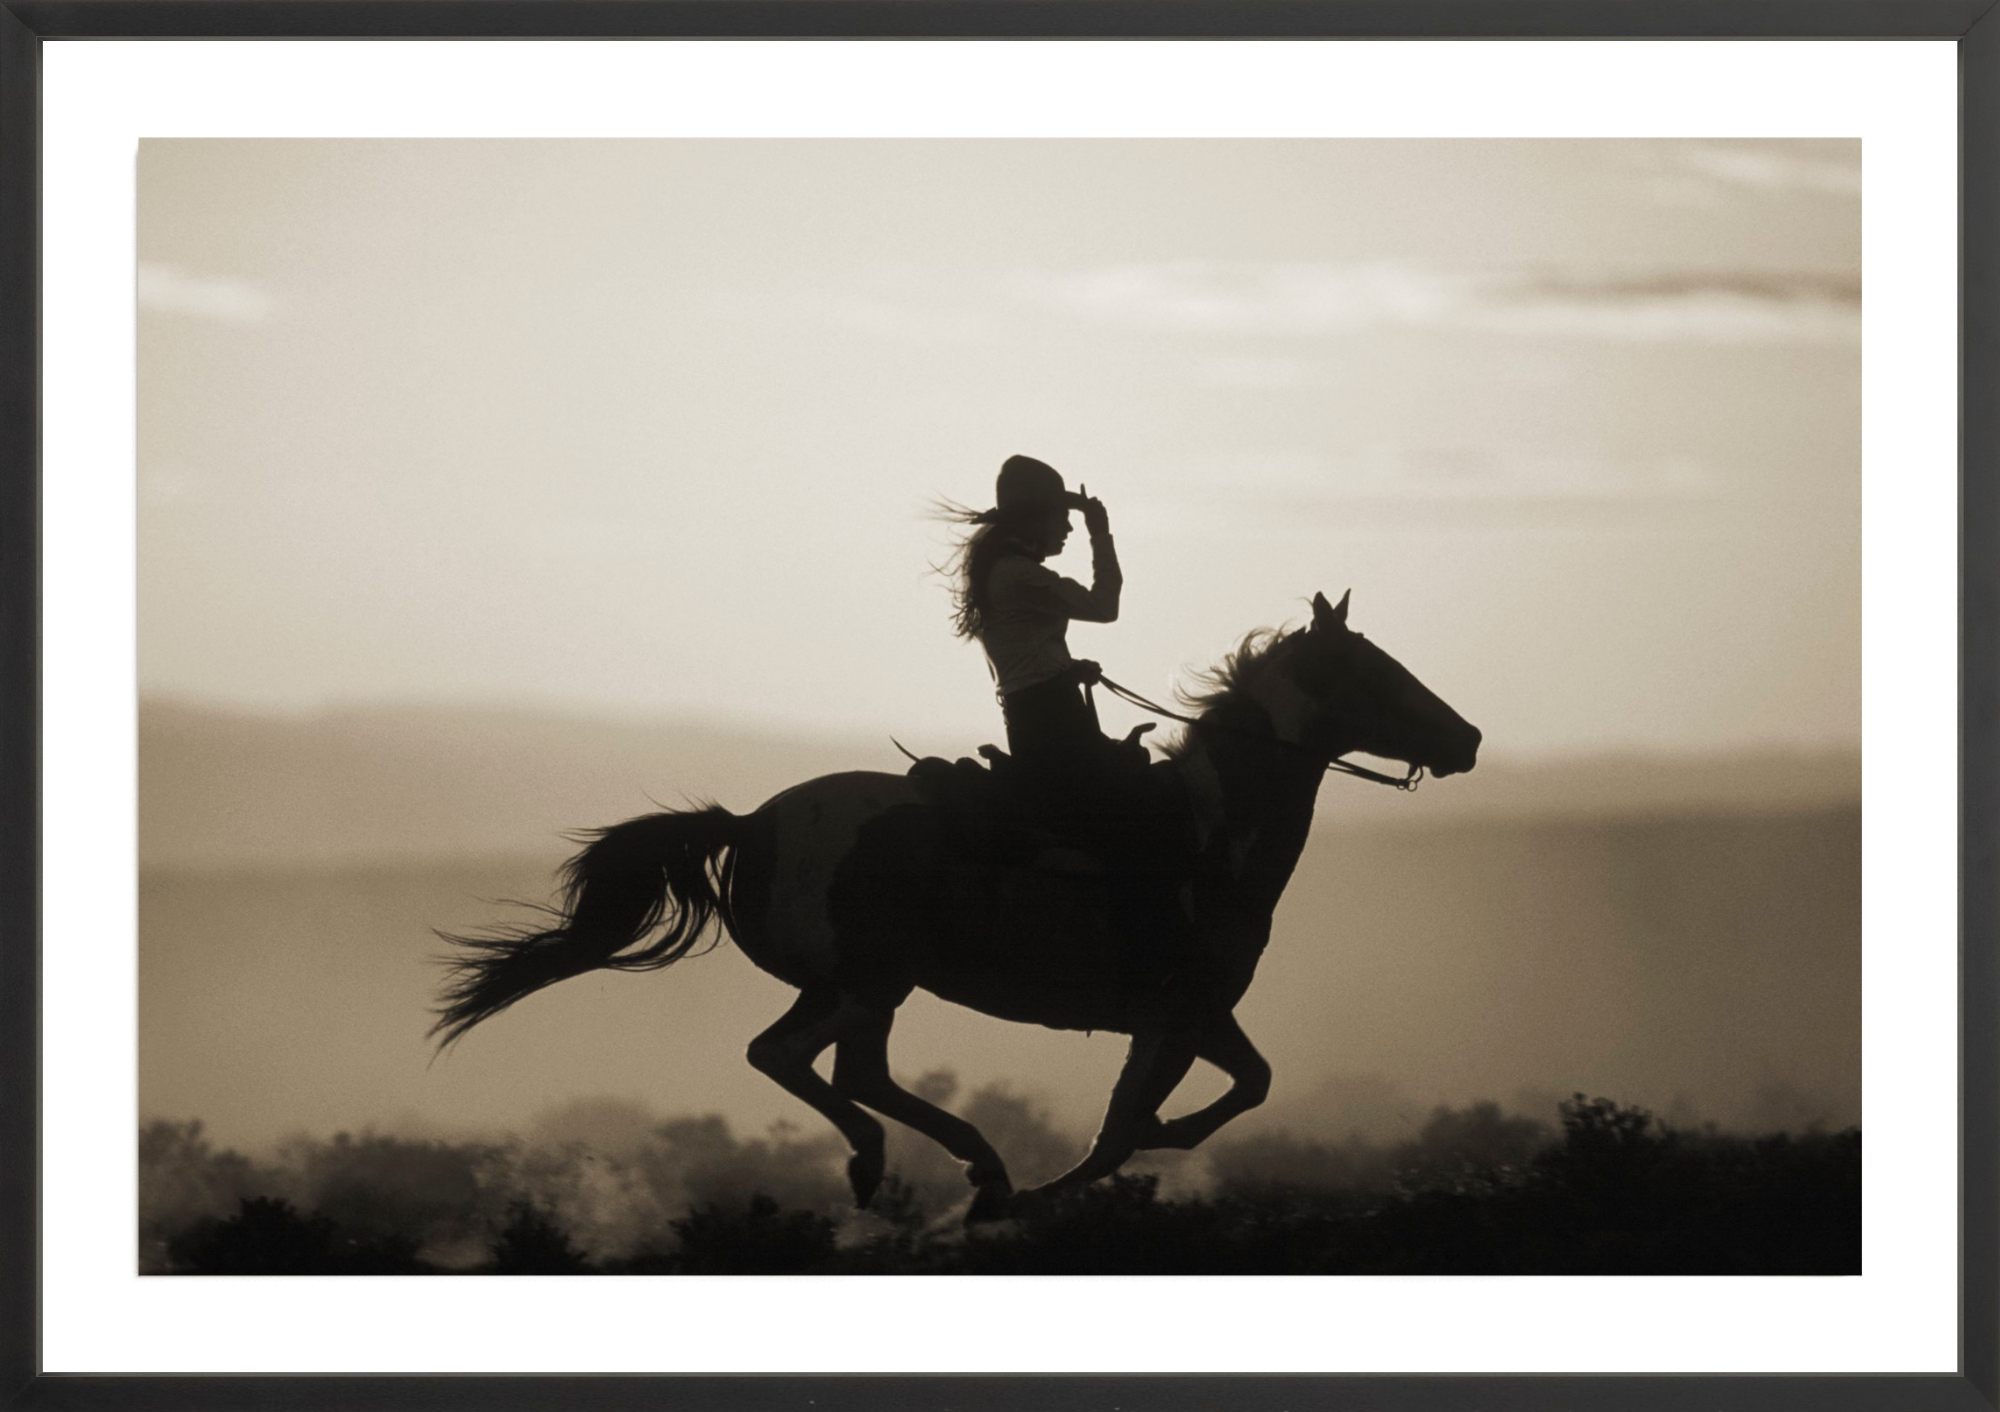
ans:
(1221, 685)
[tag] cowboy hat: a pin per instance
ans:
(1027, 487)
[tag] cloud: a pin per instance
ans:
(1828, 169)
(1315, 300)
(1303, 300)
(1305, 484)
(1720, 307)
(167, 289)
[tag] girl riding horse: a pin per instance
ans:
(1091, 788)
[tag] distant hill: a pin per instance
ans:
(413, 783)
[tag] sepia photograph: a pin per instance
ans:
(999, 707)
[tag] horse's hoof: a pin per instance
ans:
(865, 1171)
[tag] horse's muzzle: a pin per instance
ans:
(1459, 758)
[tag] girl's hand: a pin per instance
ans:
(1095, 518)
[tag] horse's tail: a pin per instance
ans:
(653, 871)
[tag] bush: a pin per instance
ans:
(756, 1239)
(268, 1236)
(531, 1243)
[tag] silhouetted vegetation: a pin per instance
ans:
(1477, 1191)
(267, 1236)
(746, 1238)
(531, 1243)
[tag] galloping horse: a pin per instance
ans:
(846, 888)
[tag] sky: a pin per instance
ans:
(650, 428)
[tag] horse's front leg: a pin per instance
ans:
(1224, 1045)
(1157, 1061)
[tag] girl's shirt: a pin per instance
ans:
(1025, 620)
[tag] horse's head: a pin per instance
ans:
(1332, 691)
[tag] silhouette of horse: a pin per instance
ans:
(848, 888)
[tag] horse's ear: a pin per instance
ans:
(1328, 618)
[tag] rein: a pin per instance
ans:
(1408, 783)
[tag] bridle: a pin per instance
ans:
(1408, 783)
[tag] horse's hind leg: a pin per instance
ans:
(861, 1072)
(786, 1051)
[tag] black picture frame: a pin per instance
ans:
(26, 25)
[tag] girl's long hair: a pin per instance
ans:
(986, 539)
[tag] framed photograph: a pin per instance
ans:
(1108, 706)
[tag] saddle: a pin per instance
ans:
(990, 813)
